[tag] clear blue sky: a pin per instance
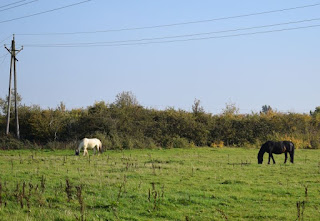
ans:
(280, 69)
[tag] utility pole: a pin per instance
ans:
(13, 53)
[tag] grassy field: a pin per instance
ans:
(172, 184)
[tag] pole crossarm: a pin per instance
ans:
(18, 51)
(8, 49)
(14, 53)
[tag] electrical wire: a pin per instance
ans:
(216, 37)
(176, 36)
(44, 12)
(177, 24)
(3, 55)
(5, 39)
(14, 3)
(178, 40)
(18, 5)
(4, 58)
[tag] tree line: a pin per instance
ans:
(125, 124)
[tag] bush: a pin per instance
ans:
(217, 144)
(150, 144)
(116, 143)
(125, 125)
(314, 142)
(127, 143)
(180, 142)
(167, 142)
(10, 143)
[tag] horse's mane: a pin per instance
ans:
(264, 148)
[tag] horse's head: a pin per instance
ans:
(77, 152)
(260, 159)
(260, 154)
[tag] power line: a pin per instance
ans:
(176, 36)
(4, 58)
(178, 40)
(5, 39)
(217, 37)
(176, 24)
(14, 3)
(44, 12)
(18, 6)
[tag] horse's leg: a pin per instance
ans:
(94, 150)
(85, 151)
(286, 157)
(269, 158)
(272, 158)
(291, 156)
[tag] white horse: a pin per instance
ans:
(86, 143)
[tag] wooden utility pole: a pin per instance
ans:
(13, 53)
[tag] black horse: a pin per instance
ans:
(276, 148)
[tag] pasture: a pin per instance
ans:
(158, 184)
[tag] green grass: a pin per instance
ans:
(172, 184)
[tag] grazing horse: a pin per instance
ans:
(86, 143)
(276, 148)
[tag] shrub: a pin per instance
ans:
(217, 144)
(314, 142)
(149, 143)
(116, 143)
(127, 143)
(10, 143)
(180, 142)
(167, 142)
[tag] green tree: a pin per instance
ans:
(315, 112)
(4, 103)
(230, 109)
(197, 108)
(125, 99)
(266, 109)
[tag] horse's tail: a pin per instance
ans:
(292, 151)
